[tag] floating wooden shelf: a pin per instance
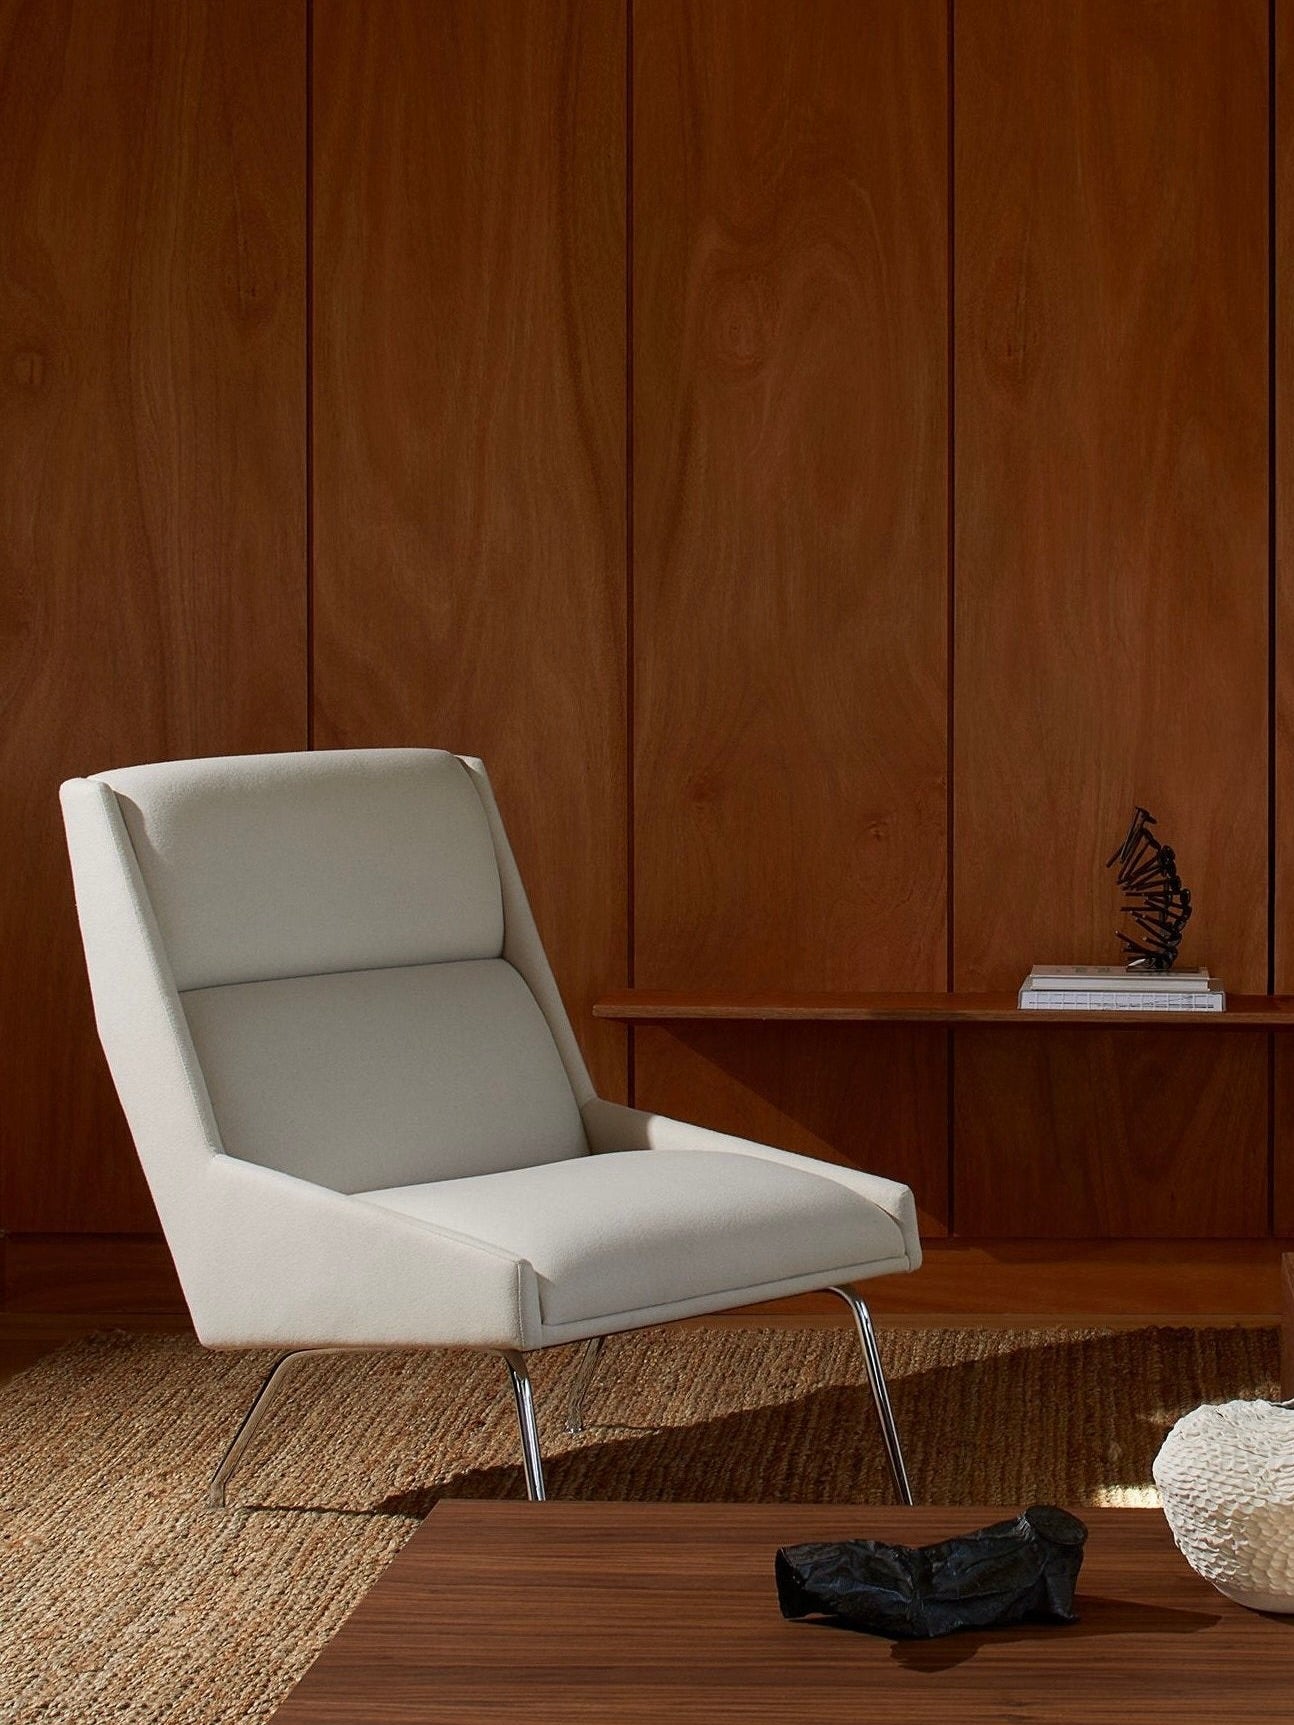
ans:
(653, 1006)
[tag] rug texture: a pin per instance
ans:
(123, 1599)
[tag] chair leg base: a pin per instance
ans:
(880, 1391)
(266, 1396)
(286, 1364)
(528, 1425)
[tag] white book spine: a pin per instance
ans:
(1121, 985)
(1108, 1000)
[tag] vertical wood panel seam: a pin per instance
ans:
(950, 360)
(630, 758)
(310, 376)
(1272, 600)
(1272, 588)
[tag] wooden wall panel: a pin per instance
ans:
(789, 439)
(1111, 472)
(1111, 541)
(1283, 616)
(790, 597)
(874, 1097)
(152, 592)
(1084, 1134)
(788, 586)
(1283, 415)
(127, 1273)
(1282, 1106)
(469, 312)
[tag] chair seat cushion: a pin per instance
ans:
(629, 1230)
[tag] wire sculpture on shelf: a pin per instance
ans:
(1160, 905)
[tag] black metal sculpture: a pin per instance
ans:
(1001, 1574)
(1161, 905)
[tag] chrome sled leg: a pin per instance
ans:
(880, 1392)
(580, 1387)
(266, 1396)
(531, 1458)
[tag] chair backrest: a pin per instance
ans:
(343, 952)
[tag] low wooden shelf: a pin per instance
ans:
(656, 1006)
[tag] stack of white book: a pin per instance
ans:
(1111, 988)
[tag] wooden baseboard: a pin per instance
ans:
(89, 1273)
(960, 1281)
(1070, 1281)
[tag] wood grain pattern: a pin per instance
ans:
(60, 1285)
(789, 581)
(1096, 1281)
(152, 593)
(89, 1273)
(1111, 577)
(873, 1099)
(1287, 1324)
(1282, 622)
(1082, 1134)
(469, 429)
(789, 488)
(496, 1610)
(1282, 1130)
(654, 1006)
(1111, 473)
(790, 593)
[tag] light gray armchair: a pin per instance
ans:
(359, 1103)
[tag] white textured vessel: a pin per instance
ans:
(1226, 1475)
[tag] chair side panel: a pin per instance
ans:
(137, 1010)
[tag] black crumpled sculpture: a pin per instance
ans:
(1000, 1574)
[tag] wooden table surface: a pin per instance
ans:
(570, 1612)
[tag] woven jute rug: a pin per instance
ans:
(123, 1599)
